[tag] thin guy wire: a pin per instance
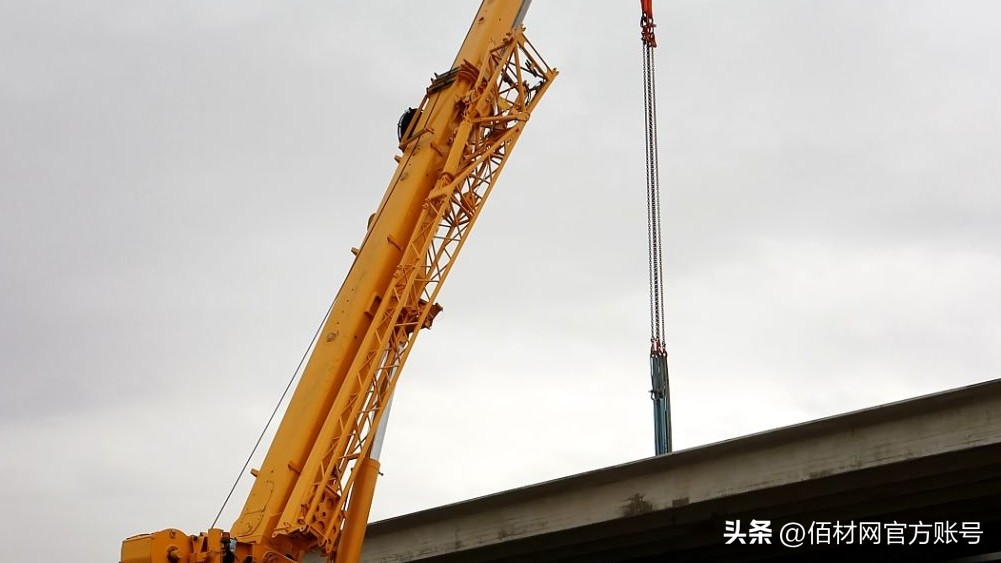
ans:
(273, 413)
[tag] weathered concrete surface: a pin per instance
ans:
(932, 458)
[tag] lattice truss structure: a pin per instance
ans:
(505, 87)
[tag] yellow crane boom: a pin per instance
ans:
(314, 489)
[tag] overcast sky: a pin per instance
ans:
(181, 182)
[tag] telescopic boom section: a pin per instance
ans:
(314, 489)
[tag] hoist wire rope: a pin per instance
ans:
(660, 392)
(654, 247)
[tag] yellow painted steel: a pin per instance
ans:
(314, 489)
(354, 529)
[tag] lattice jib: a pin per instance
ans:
(504, 89)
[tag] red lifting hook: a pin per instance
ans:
(646, 23)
